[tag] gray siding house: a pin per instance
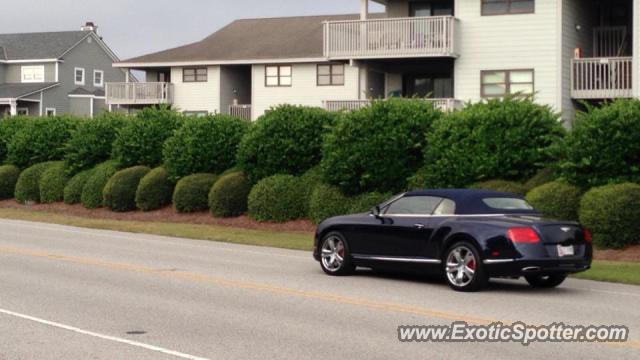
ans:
(55, 73)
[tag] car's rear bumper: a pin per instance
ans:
(522, 267)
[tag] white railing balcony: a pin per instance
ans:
(241, 111)
(445, 105)
(133, 93)
(602, 78)
(432, 36)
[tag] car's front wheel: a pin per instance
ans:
(549, 281)
(463, 268)
(335, 258)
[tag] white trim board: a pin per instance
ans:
(220, 62)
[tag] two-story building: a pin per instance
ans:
(449, 51)
(55, 73)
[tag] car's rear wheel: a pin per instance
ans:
(463, 268)
(335, 258)
(549, 281)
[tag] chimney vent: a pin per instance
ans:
(89, 26)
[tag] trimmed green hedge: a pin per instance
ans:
(8, 128)
(327, 201)
(52, 183)
(73, 190)
(204, 145)
(543, 176)
(90, 143)
(365, 202)
(611, 213)
(155, 190)
(140, 140)
(510, 139)
(378, 147)
(500, 185)
(604, 145)
(28, 185)
(557, 200)
(192, 193)
(92, 192)
(285, 140)
(9, 175)
(229, 195)
(40, 140)
(120, 192)
(277, 198)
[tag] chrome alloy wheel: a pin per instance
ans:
(333, 253)
(461, 266)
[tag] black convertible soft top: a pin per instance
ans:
(471, 201)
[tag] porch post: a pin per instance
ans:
(127, 75)
(13, 108)
(364, 9)
(635, 72)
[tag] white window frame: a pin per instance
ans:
(75, 76)
(24, 109)
(39, 68)
(101, 83)
(53, 110)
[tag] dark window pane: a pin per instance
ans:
(522, 6)
(337, 79)
(337, 69)
(414, 205)
(324, 70)
(324, 80)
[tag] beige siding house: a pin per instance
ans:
(563, 52)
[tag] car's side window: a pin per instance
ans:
(446, 207)
(413, 205)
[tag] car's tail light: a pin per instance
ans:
(587, 236)
(523, 235)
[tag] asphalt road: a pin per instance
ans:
(70, 293)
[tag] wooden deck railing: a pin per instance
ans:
(241, 111)
(352, 105)
(139, 93)
(602, 78)
(419, 36)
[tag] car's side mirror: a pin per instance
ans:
(375, 211)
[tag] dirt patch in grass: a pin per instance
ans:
(631, 253)
(166, 215)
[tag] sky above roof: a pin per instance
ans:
(132, 28)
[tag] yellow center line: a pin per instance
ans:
(321, 296)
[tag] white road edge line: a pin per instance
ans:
(101, 336)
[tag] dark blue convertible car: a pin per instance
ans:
(468, 236)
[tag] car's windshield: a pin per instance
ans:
(507, 203)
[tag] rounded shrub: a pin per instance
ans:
(309, 180)
(73, 190)
(155, 190)
(277, 198)
(285, 140)
(90, 143)
(140, 140)
(604, 145)
(204, 145)
(92, 192)
(557, 200)
(365, 202)
(192, 193)
(40, 140)
(120, 192)
(378, 147)
(327, 201)
(509, 138)
(229, 195)
(611, 213)
(500, 185)
(543, 176)
(8, 128)
(8, 178)
(28, 185)
(52, 183)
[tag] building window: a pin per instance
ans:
(330, 74)
(98, 78)
(503, 7)
(33, 74)
(194, 75)
(500, 83)
(196, 113)
(50, 112)
(79, 76)
(22, 111)
(278, 75)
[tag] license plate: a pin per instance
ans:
(565, 251)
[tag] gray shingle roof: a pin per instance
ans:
(47, 45)
(14, 91)
(83, 91)
(254, 39)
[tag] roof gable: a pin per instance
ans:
(33, 46)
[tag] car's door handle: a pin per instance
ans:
(418, 226)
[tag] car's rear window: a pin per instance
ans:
(506, 203)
